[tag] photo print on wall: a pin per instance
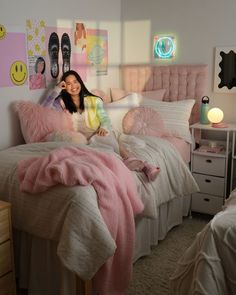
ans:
(36, 50)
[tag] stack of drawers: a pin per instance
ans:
(209, 172)
(7, 274)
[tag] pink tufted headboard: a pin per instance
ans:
(180, 81)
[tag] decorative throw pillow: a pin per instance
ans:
(68, 136)
(106, 98)
(117, 94)
(144, 121)
(116, 110)
(154, 94)
(37, 121)
(175, 115)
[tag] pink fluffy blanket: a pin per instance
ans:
(117, 198)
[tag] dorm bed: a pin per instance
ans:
(60, 234)
(208, 265)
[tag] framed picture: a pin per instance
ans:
(225, 70)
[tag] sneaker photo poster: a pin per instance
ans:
(59, 52)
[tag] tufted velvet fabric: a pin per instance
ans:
(180, 81)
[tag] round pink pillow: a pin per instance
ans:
(143, 121)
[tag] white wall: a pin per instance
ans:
(103, 14)
(199, 27)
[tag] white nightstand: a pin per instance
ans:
(211, 170)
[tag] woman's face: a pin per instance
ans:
(40, 66)
(72, 86)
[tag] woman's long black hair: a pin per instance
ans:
(66, 97)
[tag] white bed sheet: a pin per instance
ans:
(63, 212)
(34, 254)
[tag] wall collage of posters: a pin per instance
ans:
(36, 54)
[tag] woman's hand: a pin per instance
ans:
(62, 85)
(101, 132)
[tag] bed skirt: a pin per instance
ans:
(39, 269)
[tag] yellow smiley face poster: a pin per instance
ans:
(13, 60)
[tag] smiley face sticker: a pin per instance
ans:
(18, 72)
(2, 32)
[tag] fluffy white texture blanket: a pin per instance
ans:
(117, 198)
(208, 265)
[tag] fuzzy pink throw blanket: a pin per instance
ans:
(117, 198)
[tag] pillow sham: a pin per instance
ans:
(175, 115)
(37, 122)
(144, 121)
(106, 98)
(154, 94)
(117, 110)
(68, 136)
(117, 94)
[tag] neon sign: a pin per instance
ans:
(164, 47)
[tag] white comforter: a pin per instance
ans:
(208, 266)
(71, 213)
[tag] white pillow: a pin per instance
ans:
(117, 110)
(175, 115)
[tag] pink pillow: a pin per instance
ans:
(144, 121)
(102, 94)
(154, 94)
(117, 94)
(37, 121)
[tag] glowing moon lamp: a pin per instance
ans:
(215, 116)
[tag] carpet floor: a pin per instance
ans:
(151, 273)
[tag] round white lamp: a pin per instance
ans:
(215, 116)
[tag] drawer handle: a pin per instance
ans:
(207, 180)
(206, 199)
(208, 161)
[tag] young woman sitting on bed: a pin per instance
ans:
(90, 118)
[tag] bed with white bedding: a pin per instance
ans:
(208, 265)
(46, 223)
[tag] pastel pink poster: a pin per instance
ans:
(13, 60)
(97, 50)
